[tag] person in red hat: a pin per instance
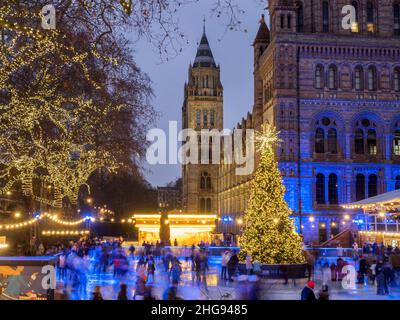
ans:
(307, 293)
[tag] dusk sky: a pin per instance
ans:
(233, 52)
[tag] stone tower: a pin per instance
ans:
(202, 109)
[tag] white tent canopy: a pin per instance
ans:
(384, 200)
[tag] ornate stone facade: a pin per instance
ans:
(334, 95)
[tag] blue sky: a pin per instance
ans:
(231, 49)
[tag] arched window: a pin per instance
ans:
(397, 184)
(355, 5)
(396, 19)
(396, 143)
(198, 118)
(205, 118)
(333, 189)
(205, 181)
(326, 139)
(332, 140)
(208, 183)
(371, 142)
(212, 118)
(332, 77)
(289, 21)
(320, 189)
(210, 150)
(370, 16)
(372, 185)
(360, 187)
(300, 17)
(208, 205)
(282, 21)
(396, 79)
(203, 205)
(202, 183)
(358, 78)
(359, 142)
(325, 16)
(319, 141)
(354, 25)
(319, 77)
(372, 78)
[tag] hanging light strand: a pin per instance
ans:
(54, 218)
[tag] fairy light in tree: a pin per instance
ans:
(269, 235)
(25, 146)
(127, 6)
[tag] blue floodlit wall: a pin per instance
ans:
(321, 221)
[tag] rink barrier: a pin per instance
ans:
(279, 271)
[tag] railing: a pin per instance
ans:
(218, 251)
(337, 239)
(179, 251)
(319, 252)
(283, 271)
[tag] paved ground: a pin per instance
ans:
(217, 289)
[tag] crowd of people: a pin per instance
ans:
(375, 266)
(379, 250)
(372, 265)
(379, 271)
(97, 256)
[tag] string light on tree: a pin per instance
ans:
(68, 157)
(269, 235)
(127, 6)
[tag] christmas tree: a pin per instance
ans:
(269, 234)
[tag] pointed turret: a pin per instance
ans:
(261, 40)
(204, 57)
(263, 35)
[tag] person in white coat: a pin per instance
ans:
(340, 250)
(224, 264)
(249, 265)
(326, 274)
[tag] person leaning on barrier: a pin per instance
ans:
(307, 294)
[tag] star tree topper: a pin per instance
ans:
(267, 138)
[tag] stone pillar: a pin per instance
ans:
(347, 146)
(326, 189)
(388, 147)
